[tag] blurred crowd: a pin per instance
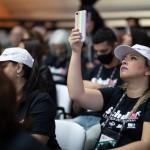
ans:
(34, 84)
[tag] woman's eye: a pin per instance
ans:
(133, 58)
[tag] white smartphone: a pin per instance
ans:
(80, 23)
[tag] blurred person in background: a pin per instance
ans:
(59, 57)
(12, 136)
(41, 30)
(119, 34)
(34, 102)
(15, 36)
(136, 36)
(30, 34)
(133, 22)
(27, 34)
(93, 23)
(34, 47)
(39, 36)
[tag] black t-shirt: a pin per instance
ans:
(105, 75)
(22, 141)
(47, 76)
(104, 79)
(59, 69)
(42, 111)
(134, 125)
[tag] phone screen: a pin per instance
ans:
(80, 23)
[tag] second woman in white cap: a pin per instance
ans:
(34, 103)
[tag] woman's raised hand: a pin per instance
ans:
(75, 40)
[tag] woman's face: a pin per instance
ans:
(133, 67)
(10, 69)
(89, 23)
(89, 26)
(60, 50)
(127, 39)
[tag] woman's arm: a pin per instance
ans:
(91, 85)
(144, 144)
(86, 98)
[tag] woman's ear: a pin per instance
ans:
(19, 68)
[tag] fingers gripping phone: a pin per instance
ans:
(80, 23)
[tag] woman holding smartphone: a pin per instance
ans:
(126, 109)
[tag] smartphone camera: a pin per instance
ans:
(76, 13)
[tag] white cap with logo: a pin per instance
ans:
(122, 50)
(17, 54)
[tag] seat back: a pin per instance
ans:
(70, 135)
(63, 99)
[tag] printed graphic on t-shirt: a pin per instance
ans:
(107, 83)
(21, 121)
(131, 125)
(60, 70)
(116, 119)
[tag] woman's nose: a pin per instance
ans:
(123, 61)
(124, 36)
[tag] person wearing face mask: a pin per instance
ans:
(59, 57)
(105, 74)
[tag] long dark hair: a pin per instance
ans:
(139, 36)
(33, 81)
(35, 49)
(9, 124)
(95, 15)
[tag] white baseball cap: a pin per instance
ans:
(122, 50)
(17, 54)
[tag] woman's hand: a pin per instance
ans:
(75, 40)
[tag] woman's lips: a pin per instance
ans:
(124, 68)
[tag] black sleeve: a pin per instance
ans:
(42, 112)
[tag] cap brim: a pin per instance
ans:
(4, 58)
(122, 50)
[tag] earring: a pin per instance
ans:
(17, 75)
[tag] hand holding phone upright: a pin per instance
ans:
(80, 23)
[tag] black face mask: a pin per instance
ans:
(105, 59)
